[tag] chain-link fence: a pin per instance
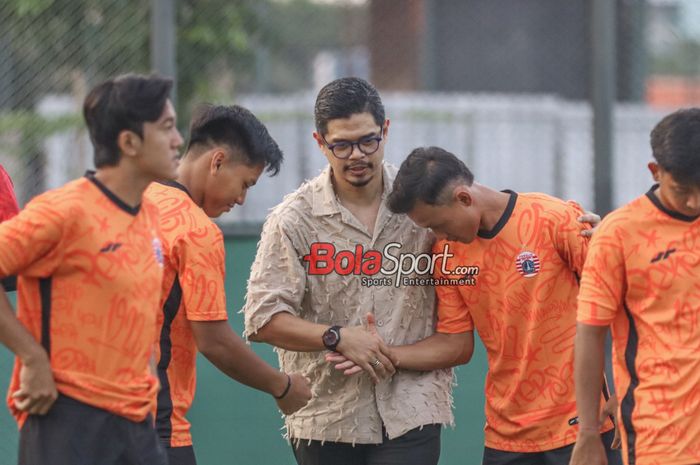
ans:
(52, 52)
(505, 84)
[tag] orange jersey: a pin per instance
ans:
(90, 272)
(522, 302)
(642, 278)
(193, 290)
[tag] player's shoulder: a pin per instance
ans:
(454, 247)
(177, 213)
(173, 199)
(551, 207)
(155, 190)
(73, 197)
(547, 201)
(628, 216)
(165, 193)
(150, 208)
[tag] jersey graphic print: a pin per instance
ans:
(88, 289)
(192, 251)
(523, 306)
(642, 278)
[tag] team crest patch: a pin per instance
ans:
(527, 264)
(158, 251)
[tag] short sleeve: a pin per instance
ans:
(202, 269)
(29, 242)
(603, 281)
(277, 278)
(452, 313)
(571, 245)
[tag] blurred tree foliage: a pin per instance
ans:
(223, 46)
(681, 60)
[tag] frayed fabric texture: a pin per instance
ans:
(347, 409)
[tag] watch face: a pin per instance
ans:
(330, 337)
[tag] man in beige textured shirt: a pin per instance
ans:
(331, 253)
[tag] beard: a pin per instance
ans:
(369, 166)
(360, 183)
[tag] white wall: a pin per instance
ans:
(524, 143)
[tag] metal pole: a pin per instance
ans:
(428, 62)
(638, 50)
(163, 41)
(603, 82)
(262, 53)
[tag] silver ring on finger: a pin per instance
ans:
(375, 363)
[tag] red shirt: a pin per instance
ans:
(8, 201)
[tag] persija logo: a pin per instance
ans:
(323, 259)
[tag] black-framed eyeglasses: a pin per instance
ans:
(343, 149)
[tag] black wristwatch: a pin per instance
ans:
(331, 338)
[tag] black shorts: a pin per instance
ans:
(420, 446)
(74, 433)
(559, 456)
(181, 455)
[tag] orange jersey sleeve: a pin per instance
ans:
(602, 282)
(569, 242)
(201, 270)
(452, 312)
(29, 241)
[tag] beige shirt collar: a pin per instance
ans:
(324, 199)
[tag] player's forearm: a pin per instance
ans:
(588, 372)
(230, 354)
(437, 351)
(290, 332)
(15, 336)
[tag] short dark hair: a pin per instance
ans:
(675, 144)
(119, 104)
(345, 97)
(425, 175)
(237, 128)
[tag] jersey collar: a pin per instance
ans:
(90, 175)
(672, 213)
(176, 185)
(504, 218)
